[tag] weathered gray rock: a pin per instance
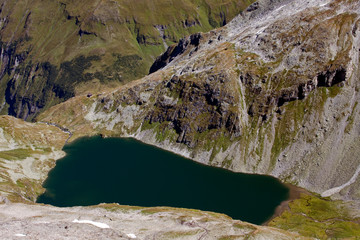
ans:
(112, 221)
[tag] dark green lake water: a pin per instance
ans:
(128, 172)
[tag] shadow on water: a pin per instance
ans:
(128, 172)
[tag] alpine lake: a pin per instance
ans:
(125, 171)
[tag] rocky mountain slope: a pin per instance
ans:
(51, 50)
(273, 92)
(27, 153)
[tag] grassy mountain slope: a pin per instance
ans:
(252, 96)
(50, 49)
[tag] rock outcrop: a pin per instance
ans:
(198, 107)
(174, 51)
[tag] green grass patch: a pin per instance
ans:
(113, 207)
(179, 234)
(351, 118)
(288, 127)
(317, 217)
(18, 154)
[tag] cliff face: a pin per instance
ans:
(52, 50)
(274, 92)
